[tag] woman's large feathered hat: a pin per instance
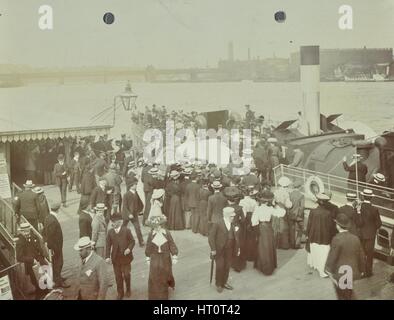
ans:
(155, 221)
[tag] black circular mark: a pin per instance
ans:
(280, 16)
(109, 18)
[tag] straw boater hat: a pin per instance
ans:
(100, 206)
(284, 181)
(38, 190)
(216, 184)
(378, 177)
(25, 226)
(367, 193)
(157, 193)
(174, 174)
(322, 196)
(272, 140)
(131, 164)
(153, 171)
(88, 211)
(155, 221)
(188, 171)
(343, 221)
(29, 184)
(83, 243)
(351, 196)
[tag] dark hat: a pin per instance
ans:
(116, 217)
(343, 221)
(265, 195)
(231, 192)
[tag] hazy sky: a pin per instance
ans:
(182, 33)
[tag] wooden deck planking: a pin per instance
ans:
(291, 280)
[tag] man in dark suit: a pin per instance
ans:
(216, 203)
(192, 198)
(28, 251)
(319, 231)
(100, 166)
(132, 206)
(350, 210)
(53, 236)
(223, 244)
(75, 173)
(99, 194)
(61, 173)
(360, 173)
(120, 244)
(85, 223)
(27, 204)
(346, 251)
(370, 224)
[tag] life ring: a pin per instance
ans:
(313, 186)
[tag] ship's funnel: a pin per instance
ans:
(310, 85)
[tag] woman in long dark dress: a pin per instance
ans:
(248, 205)
(176, 218)
(266, 259)
(202, 208)
(161, 253)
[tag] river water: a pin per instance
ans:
(369, 103)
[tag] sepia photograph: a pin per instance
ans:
(196, 150)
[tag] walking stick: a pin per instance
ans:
(212, 263)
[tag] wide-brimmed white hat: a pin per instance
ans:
(284, 181)
(157, 193)
(83, 243)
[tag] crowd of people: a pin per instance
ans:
(240, 212)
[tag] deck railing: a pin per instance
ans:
(339, 184)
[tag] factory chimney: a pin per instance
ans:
(310, 85)
(248, 54)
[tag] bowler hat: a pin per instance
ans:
(343, 221)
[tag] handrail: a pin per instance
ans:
(337, 183)
(349, 181)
